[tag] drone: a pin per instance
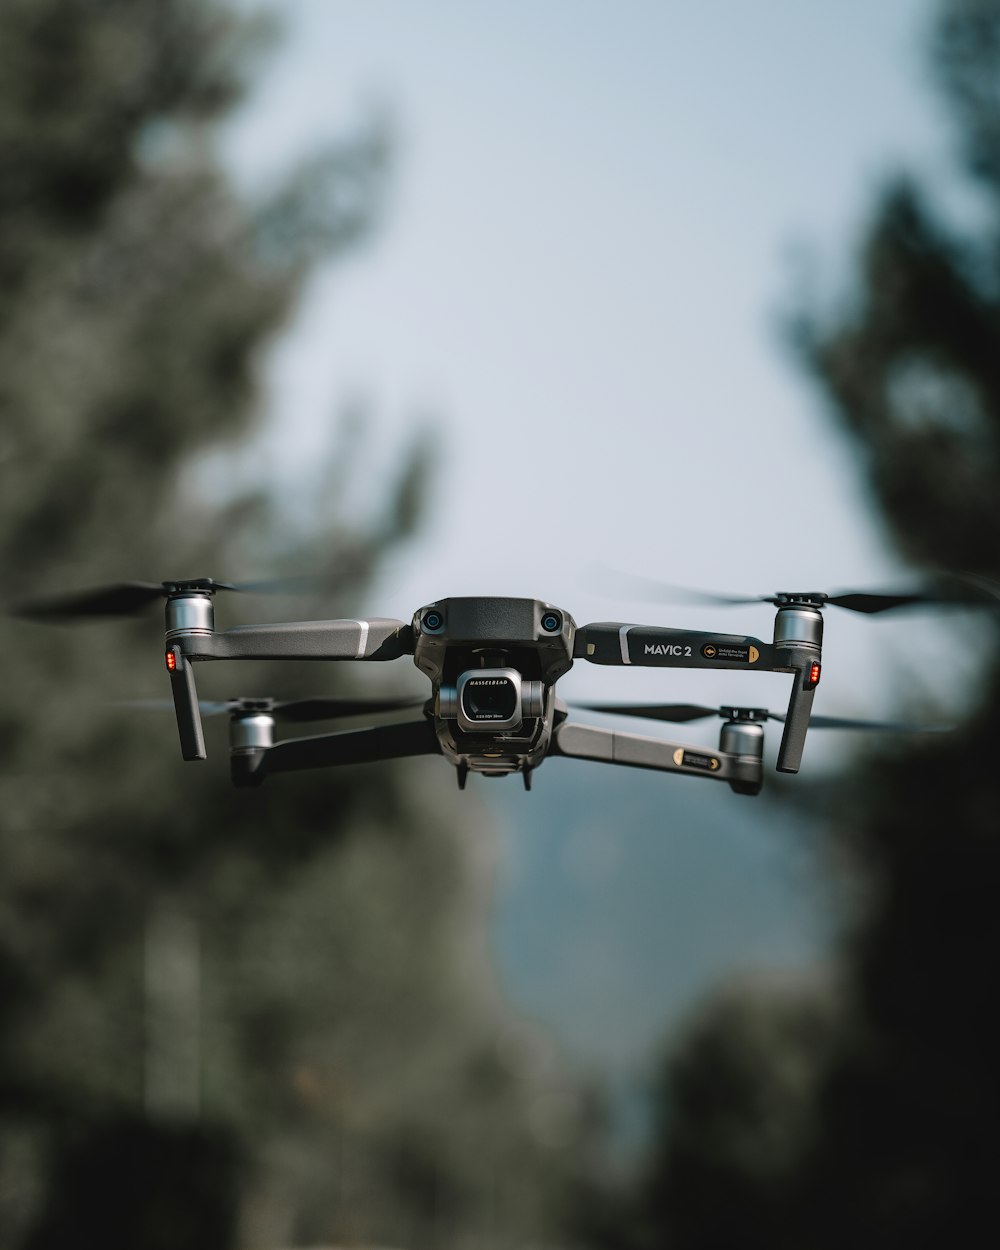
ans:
(493, 664)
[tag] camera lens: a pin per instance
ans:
(433, 621)
(490, 699)
(551, 622)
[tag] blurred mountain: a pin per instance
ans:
(623, 896)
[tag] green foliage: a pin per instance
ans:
(278, 990)
(912, 369)
(889, 1140)
(738, 1095)
(966, 51)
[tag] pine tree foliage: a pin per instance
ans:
(894, 1134)
(228, 1018)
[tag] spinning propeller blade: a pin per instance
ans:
(679, 713)
(684, 712)
(290, 710)
(120, 600)
(958, 591)
(127, 598)
(324, 709)
(872, 726)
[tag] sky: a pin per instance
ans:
(599, 215)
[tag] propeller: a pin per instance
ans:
(292, 710)
(681, 713)
(956, 591)
(127, 598)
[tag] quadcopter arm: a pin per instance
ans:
(378, 639)
(588, 742)
(647, 646)
(375, 639)
(353, 746)
(651, 647)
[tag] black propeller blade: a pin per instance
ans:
(291, 710)
(127, 598)
(681, 713)
(874, 726)
(325, 709)
(120, 600)
(959, 591)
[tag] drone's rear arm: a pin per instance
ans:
(352, 746)
(590, 742)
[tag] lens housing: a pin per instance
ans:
(491, 700)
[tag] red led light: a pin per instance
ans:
(814, 672)
(171, 661)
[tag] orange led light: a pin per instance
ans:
(171, 661)
(814, 672)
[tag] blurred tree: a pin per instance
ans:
(894, 1128)
(250, 1018)
(736, 1105)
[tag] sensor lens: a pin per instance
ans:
(433, 621)
(488, 699)
(551, 622)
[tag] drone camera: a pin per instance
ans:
(491, 700)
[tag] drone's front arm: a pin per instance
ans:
(589, 742)
(376, 639)
(795, 650)
(191, 636)
(648, 646)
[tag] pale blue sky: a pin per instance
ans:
(595, 213)
(592, 230)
